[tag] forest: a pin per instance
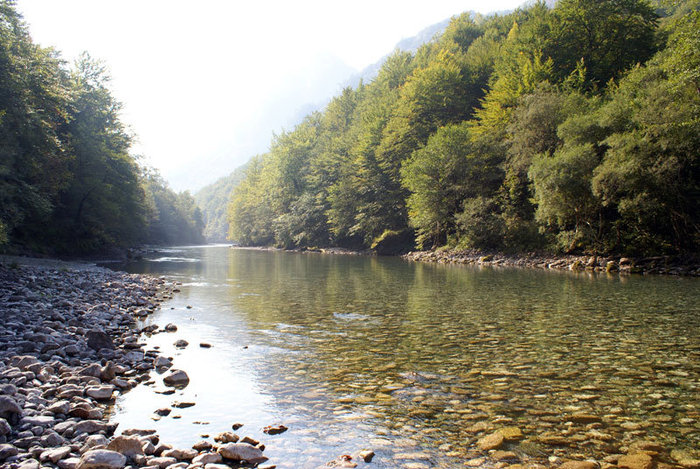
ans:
(68, 183)
(572, 128)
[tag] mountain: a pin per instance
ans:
(409, 44)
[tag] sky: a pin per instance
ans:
(204, 85)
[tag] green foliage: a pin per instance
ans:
(608, 36)
(480, 224)
(440, 176)
(67, 181)
(572, 128)
(213, 201)
(649, 175)
(172, 218)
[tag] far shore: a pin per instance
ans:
(651, 265)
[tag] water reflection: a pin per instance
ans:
(419, 361)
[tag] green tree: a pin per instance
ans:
(449, 169)
(609, 36)
(102, 204)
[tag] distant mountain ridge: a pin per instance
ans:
(409, 44)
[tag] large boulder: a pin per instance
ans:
(98, 340)
(101, 459)
(176, 378)
(9, 409)
(100, 393)
(127, 445)
(241, 452)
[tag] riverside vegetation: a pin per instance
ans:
(571, 129)
(68, 184)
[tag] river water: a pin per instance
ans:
(418, 361)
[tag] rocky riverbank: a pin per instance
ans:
(69, 344)
(666, 265)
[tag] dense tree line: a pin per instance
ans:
(213, 200)
(67, 180)
(575, 128)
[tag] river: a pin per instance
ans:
(417, 362)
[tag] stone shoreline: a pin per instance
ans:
(664, 265)
(69, 344)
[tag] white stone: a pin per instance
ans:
(100, 393)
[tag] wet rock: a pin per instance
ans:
(226, 437)
(100, 393)
(182, 343)
(180, 454)
(163, 412)
(127, 445)
(59, 407)
(204, 345)
(367, 455)
(651, 448)
(236, 426)
(108, 372)
(29, 464)
(250, 441)
(203, 445)
(511, 433)
(635, 461)
(138, 432)
(162, 362)
(686, 459)
(93, 426)
(182, 405)
(102, 459)
(176, 378)
(94, 441)
(7, 451)
(170, 328)
(162, 447)
(50, 439)
(275, 429)
(54, 455)
(161, 462)
(579, 465)
(500, 455)
(4, 427)
(98, 340)
(207, 458)
(9, 409)
(582, 417)
(241, 452)
(342, 461)
(492, 441)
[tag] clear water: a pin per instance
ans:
(404, 358)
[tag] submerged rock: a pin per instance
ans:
(492, 441)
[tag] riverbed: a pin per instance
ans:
(422, 363)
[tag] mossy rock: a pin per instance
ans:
(393, 243)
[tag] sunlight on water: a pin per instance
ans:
(419, 361)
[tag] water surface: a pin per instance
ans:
(418, 361)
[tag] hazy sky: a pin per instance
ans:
(204, 84)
